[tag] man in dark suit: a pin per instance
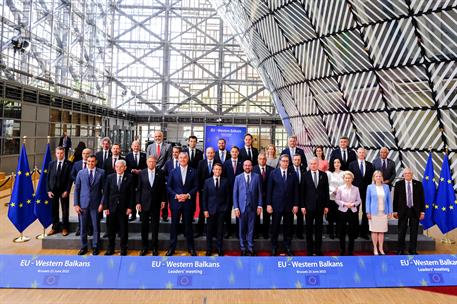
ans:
(221, 154)
(282, 203)
(195, 155)
(118, 201)
(170, 165)
(264, 172)
(151, 196)
(159, 149)
(247, 202)
(105, 153)
(248, 152)
(300, 171)
(232, 167)
(343, 153)
(182, 186)
(204, 171)
(363, 175)
(215, 202)
(136, 161)
(386, 166)
(315, 205)
(78, 166)
(65, 142)
(293, 150)
(408, 206)
(88, 202)
(58, 188)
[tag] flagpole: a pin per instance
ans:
(22, 238)
(43, 234)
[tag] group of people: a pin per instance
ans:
(260, 189)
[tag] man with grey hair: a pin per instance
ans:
(159, 149)
(386, 166)
(409, 208)
(363, 173)
(292, 150)
(105, 153)
(118, 202)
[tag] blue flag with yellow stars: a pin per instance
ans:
(445, 204)
(20, 210)
(42, 207)
(428, 182)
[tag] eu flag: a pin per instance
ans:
(428, 182)
(20, 210)
(42, 208)
(444, 214)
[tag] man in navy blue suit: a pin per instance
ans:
(314, 206)
(88, 202)
(215, 202)
(292, 150)
(221, 154)
(282, 203)
(169, 166)
(136, 161)
(300, 171)
(232, 167)
(78, 166)
(248, 152)
(264, 171)
(343, 153)
(247, 201)
(182, 186)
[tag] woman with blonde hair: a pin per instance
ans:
(272, 160)
(378, 209)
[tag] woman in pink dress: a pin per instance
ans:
(322, 162)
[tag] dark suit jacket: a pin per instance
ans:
(390, 172)
(283, 196)
(116, 199)
(268, 171)
(131, 164)
(203, 174)
(244, 155)
(336, 153)
(360, 181)
(197, 158)
(151, 197)
(169, 166)
(315, 199)
(216, 201)
(88, 195)
(77, 166)
(99, 157)
(301, 183)
(60, 183)
(68, 142)
(400, 202)
(297, 151)
(175, 186)
(218, 159)
(108, 165)
(228, 170)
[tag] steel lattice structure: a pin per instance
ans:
(382, 72)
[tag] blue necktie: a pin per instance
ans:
(361, 168)
(91, 177)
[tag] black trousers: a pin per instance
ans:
(165, 211)
(287, 222)
(201, 219)
(65, 205)
(186, 211)
(300, 224)
(363, 229)
(348, 223)
(215, 228)
(150, 222)
(332, 217)
(410, 218)
(118, 222)
(314, 223)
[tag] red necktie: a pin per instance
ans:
(158, 150)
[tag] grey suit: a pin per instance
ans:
(165, 154)
(389, 172)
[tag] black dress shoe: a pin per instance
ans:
(331, 236)
(165, 220)
(170, 252)
(78, 232)
(342, 252)
(220, 252)
(208, 253)
(319, 253)
(105, 235)
(289, 252)
(90, 233)
(243, 253)
(143, 252)
(95, 251)
(193, 252)
(274, 252)
(155, 252)
(109, 252)
(82, 251)
(400, 252)
(309, 253)
(266, 236)
(227, 235)
(351, 253)
(251, 253)
(198, 235)
(413, 252)
(124, 252)
(300, 236)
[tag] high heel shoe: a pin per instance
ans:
(381, 252)
(375, 253)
